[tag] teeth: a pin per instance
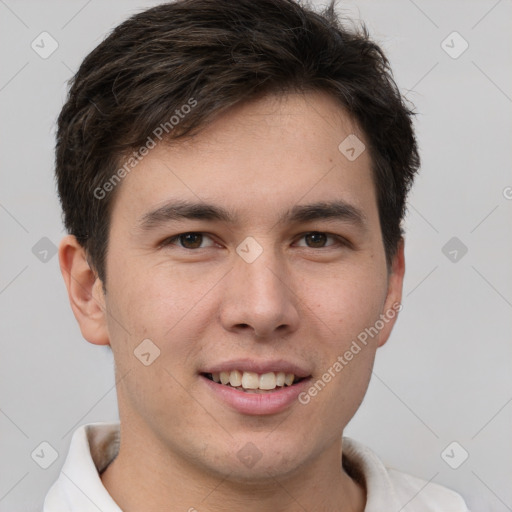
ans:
(235, 378)
(254, 381)
(268, 381)
(250, 380)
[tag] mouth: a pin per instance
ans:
(252, 382)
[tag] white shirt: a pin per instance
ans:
(93, 446)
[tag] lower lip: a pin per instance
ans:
(271, 402)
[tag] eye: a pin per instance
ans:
(190, 240)
(197, 240)
(318, 239)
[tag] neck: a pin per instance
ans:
(149, 478)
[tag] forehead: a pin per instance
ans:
(262, 157)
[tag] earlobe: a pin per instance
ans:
(85, 291)
(393, 302)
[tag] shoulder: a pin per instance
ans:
(424, 495)
(393, 488)
(78, 487)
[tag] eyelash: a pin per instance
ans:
(340, 240)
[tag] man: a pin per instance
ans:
(233, 177)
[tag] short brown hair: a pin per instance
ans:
(219, 53)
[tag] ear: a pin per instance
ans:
(393, 304)
(85, 291)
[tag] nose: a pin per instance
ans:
(260, 299)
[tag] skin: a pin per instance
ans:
(297, 301)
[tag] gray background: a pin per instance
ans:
(444, 376)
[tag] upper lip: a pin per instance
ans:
(261, 367)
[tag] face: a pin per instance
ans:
(253, 279)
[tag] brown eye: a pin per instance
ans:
(316, 239)
(189, 241)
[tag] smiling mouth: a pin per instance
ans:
(250, 382)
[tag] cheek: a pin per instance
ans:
(169, 307)
(346, 304)
(151, 296)
(345, 307)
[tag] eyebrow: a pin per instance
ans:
(183, 210)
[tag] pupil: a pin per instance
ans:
(317, 239)
(191, 240)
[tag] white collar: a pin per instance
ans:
(93, 446)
